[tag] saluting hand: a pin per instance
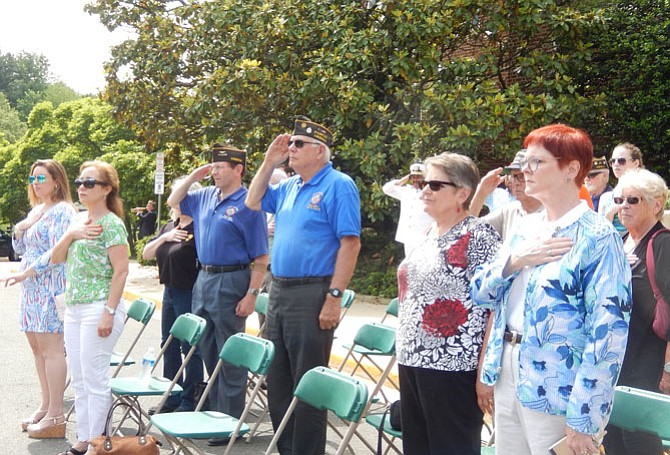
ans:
(277, 152)
(201, 172)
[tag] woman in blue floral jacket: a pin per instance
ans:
(561, 292)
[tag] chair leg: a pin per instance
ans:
(282, 425)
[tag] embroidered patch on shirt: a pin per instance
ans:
(314, 201)
(230, 212)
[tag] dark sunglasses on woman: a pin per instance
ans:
(88, 183)
(436, 185)
(621, 161)
(632, 200)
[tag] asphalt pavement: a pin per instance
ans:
(20, 393)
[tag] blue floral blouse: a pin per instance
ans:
(575, 328)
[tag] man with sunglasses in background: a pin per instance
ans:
(147, 219)
(232, 246)
(413, 220)
(597, 180)
(314, 253)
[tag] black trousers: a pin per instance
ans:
(621, 442)
(440, 415)
(292, 325)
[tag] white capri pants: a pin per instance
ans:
(88, 357)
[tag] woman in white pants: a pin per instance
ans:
(95, 249)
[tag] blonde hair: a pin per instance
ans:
(111, 178)
(57, 172)
(651, 185)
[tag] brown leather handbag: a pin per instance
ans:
(139, 444)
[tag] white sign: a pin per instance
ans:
(160, 160)
(159, 182)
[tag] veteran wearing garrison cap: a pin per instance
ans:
(316, 245)
(597, 180)
(232, 245)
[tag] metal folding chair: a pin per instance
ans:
(348, 297)
(639, 410)
(330, 390)
(240, 350)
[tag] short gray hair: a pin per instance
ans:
(460, 169)
(651, 185)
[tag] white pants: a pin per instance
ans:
(519, 430)
(88, 357)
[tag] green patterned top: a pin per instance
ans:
(89, 270)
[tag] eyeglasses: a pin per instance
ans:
(620, 161)
(436, 185)
(534, 163)
(299, 143)
(39, 178)
(520, 178)
(88, 183)
(632, 200)
(592, 175)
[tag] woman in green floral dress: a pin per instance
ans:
(95, 249)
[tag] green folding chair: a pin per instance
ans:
(330, 390)
(141, 310)
(373, 340)
(348, 297)
(641, 410)
(187, 328)
(391, 309)
(240, 350)
(261, 308)
(389, 435)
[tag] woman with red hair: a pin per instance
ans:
(560, 288)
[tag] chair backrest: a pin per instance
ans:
(392, 307)
(248, 351)
(348, 297)
(640, 410)
(141, 310)
(377, 337)
(189, 328)
(327, 389)
(261, 306)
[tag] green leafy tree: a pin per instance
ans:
(22, 73)
(632, 66)
(395, 80)
(56, 93)
(11, 126)
(74, 132)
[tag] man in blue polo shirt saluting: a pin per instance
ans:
(315, 249)
(232, 245)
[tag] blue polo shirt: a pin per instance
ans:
(226, 232)
(311, 218)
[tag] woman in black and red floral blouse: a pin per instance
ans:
(440, 334)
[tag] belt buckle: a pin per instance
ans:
(515, 336)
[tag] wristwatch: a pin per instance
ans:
(253, 291)
(335, 293)
(666, 368)
(110, 310)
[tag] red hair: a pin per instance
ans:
(567, 144)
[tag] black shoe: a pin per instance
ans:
(164, 410)
(215, 442)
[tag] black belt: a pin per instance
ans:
(512, 337)
(223, 268)
(288, 282)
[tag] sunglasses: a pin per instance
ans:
(299, 143)
(436, 185)
(620, 161)
(632, 200)
(593, 175)
(40, 178)
(88, 183)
